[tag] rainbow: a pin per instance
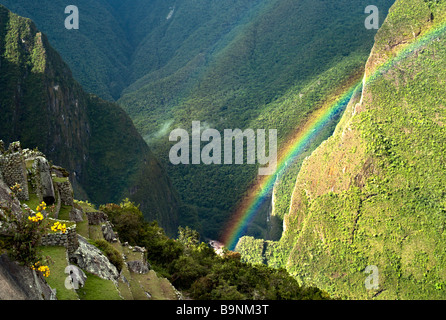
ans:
(247, 210)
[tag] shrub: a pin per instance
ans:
(111, 253)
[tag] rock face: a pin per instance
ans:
(91, 259)
(44, 182)
(109, 234)
(96, 218)
(21, 283)
(76, 215)
(6, 199)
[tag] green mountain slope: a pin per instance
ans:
(270, 72)
(41, 105)
(98, 53)
(230, 64)
(373, 194)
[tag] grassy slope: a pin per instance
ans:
(99, 289)
(373, 194)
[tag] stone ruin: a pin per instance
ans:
(68, 240)
(51, 184)
(65, 192)
(13, 169)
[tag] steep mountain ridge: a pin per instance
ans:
(372, 195)
(100, 63)
(42, 106)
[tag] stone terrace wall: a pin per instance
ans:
(65, 192)
(67, 240)
(13, 169)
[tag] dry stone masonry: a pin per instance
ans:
(65, 192)
(68, 240)
(51, 184)
(13, 169)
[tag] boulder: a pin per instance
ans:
(138, 266)
(139, 249)
(108, 232)
(92, 260)
(96, 218)
(44, 180)
(76, 277)
(76, 215)
(21, 283)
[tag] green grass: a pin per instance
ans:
(98, 289)
(57, 263)
(82, 228)
(95, 232)
(64, 213)
(124, 288)
(59, 180)
(33, 201)
(29, 164)
(158, 288)
(85, 206)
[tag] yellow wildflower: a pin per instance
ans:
(41, 207)
(38, 217)
(44, 269)
(58, 226)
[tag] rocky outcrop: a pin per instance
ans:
(96, 218)
(76, 215)
(59, 171)
(21, 283)
(138, 266)
(139, 249)
(107, 231)
(91, 259)
(6, 199)
(44, 182)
